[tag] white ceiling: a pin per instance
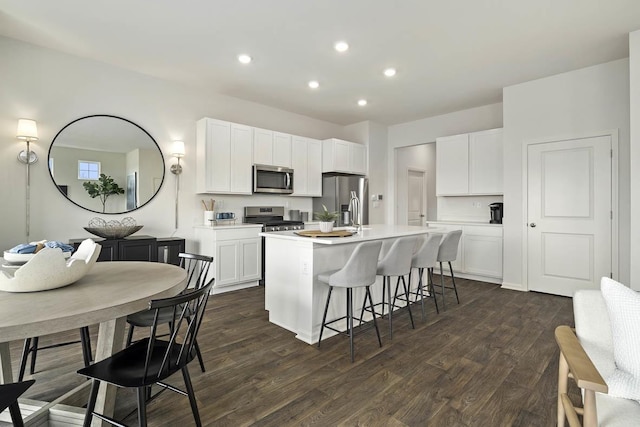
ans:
(450, 54)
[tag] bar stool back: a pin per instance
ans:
(449, 252)
(426, 257)
(397, 263)
(359, 271)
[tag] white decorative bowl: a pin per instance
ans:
(22, 258)
(48, 269)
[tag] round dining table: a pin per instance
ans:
(105, 296)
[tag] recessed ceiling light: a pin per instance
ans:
(362, 102)
(314, 84)
(341, 46)
(390, 72)
(245, 59)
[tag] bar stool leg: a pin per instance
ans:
(375, 323)
(432, 288)
(390, 308)
(324, 317)
(350, 319)
(453, 280)
(420, 288)
(406, 295)
(23, 360)
(444, 307)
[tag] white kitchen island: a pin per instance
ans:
(295, 299)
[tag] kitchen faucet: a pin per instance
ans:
(356, 212)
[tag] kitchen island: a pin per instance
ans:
(293, 296)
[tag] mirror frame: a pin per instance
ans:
(164, 172)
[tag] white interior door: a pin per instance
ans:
(569, 214)
(416, 197)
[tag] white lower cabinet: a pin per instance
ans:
(237, 257)
(479, 252)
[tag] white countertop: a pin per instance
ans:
(464, 223)
(228, 226)
(369, 232)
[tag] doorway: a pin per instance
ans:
(569, 229)
(416, 197)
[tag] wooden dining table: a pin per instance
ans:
(105, 296)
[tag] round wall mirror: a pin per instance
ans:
(106, 164)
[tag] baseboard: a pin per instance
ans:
(514, 287)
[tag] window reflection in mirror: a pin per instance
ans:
(110, 145)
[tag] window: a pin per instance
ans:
(88, 170)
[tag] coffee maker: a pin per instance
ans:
(497, 211)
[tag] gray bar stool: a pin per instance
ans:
(426, 257)
(396, 263)
(449, 252)
(359, 271)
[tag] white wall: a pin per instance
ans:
(427, 130)
(55, 89)
(634, 94)
(592, 99)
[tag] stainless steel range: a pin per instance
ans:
(272, 219)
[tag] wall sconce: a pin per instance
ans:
(27, 131)
(177, 151)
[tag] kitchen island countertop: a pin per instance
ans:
(369, 232)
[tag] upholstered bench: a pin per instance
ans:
(588, 357)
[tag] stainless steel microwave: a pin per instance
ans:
(272, 179)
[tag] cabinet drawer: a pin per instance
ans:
(237, 233)
(482, 231)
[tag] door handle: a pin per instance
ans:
(532, 225)
(421, 216)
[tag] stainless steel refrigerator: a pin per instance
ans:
(336, 194)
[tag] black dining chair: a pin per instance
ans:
(152, 359)
(30, 348)
(197, 267)
(9, 394)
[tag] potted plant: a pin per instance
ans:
(104, 188)
(326, 219)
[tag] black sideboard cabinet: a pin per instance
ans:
(139, 248)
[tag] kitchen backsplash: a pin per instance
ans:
(466, 208)
(236, 204)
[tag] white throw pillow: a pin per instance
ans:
(623, 305)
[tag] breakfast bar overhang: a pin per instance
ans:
(293, 296)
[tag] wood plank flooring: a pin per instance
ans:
(490, 361)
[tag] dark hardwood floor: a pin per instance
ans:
(490, 361)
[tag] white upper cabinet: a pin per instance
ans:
(469, 164)
(344, 156)
(271, 148)
(223, 157)
(281, 149)
(452, 165)
(485, 162)
(306, 160)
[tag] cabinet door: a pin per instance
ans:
(299, 162)
(241, 158)
(358, 159)
(227, 263)
(281, 149)
(218, 155)
(314, 167)
(483, 255)
(262, 146)
(485, 162)
(452, 165)
(138, 250)
(250, 259)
